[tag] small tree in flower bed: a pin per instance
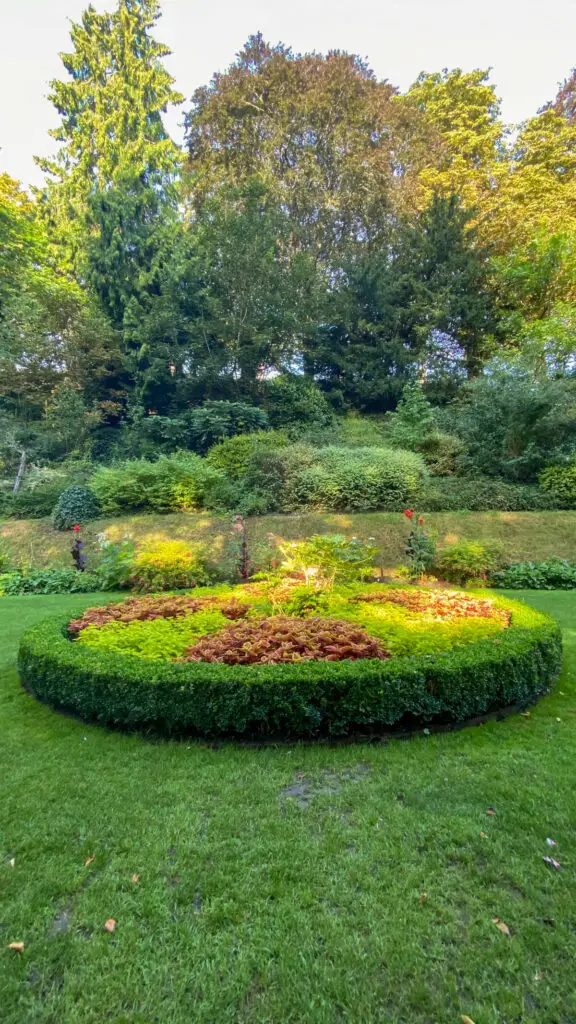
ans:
(285, 639)
(328, 559)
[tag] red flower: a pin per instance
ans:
(76, 528)
(421, 521)
(408, 513)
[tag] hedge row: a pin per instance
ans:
(292, 699)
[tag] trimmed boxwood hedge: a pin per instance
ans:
(304, 699)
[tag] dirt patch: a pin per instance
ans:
(307, 788)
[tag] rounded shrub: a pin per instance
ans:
(75, 505)
(560, 482)
(514, 666)
(358, 479)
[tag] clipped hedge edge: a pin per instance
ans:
(307, 699)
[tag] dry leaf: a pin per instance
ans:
(525, 714)
(466, 1020)
(110, 925)
(483, 835)
(423, 897)
(89, 861)
(553, 863)
(539, 976)
(134, 879)
(18, 946)
(501, 926)
(491, 811)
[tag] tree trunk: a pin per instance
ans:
(20, 473)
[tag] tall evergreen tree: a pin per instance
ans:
(112, 181)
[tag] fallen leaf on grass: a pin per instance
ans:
(539, 976)
(17, 946)
(553, 863)
(551, 842)
(466, 1020)
(110, 925)
(12, 862)
(525, 714)
(134, 879)
(423, 897)
(89, 861)
(501, 926)
(491, 811)
(483, 835)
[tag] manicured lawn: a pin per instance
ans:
(254, 905)
(523, 535)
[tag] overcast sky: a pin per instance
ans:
(529, 44)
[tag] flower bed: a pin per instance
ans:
(266, 660)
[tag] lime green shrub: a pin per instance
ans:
(169, 565)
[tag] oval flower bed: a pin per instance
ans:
(266, 659)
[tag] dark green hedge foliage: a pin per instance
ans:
(34, 504)
(485, 494)
(75, 505)
(554, 574)
(306, 699)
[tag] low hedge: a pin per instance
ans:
(303, 699)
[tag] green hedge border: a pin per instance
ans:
(313, 698)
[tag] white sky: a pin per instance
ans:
(529, 44)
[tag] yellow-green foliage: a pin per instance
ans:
(404, 632)
(156, 640)
(169, 565)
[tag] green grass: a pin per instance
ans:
(254, 905)
(523, 535)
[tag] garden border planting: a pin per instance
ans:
(306, 699)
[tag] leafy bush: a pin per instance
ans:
(514, 423)
(237, 455)
(213, 421)
(49, 581)
(169, 565)
(284, 639)
(292, 399)
(305, 698)
(467, 560)
(560, 482)
(484, 494)
(554, 574)
(75, 505)
(354, 479)
(328, 559)
(174, 483)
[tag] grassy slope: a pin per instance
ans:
(257, 907)
(523, 534)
